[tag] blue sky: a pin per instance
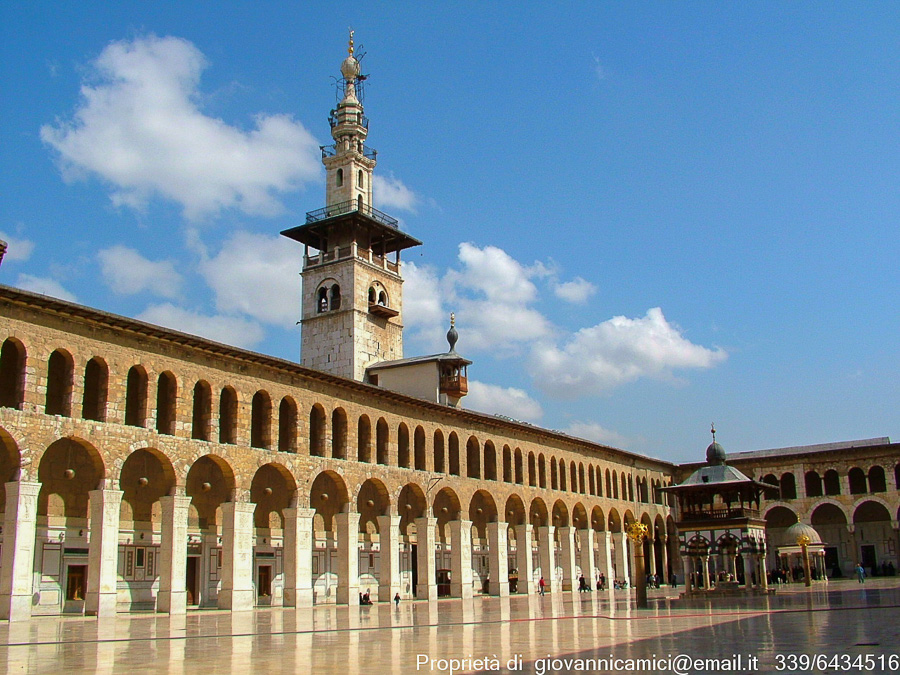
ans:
(647, 217)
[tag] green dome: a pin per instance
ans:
(715, 454)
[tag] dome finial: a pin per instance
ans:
(452, 335)
(350, 46)
(715, 453)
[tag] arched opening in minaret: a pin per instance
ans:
(322, 300)
(339, 178)
(335, 297)
(359, 179)
(359, 203)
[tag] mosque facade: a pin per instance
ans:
(146, 469)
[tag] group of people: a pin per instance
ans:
(653, 581)
(366, 599)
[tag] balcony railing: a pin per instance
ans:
(719, 514)
(350, 206)
(455, 385)
(331, 151)
(344, 252)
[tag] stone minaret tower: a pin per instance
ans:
(352, 297)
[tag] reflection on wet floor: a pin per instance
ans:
(841, 617)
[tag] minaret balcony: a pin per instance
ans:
(347, 252)
(331, 151)
(350, 206)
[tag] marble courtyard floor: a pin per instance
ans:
(596, 632)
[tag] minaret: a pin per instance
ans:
(352, 289)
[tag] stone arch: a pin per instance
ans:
(339, 433)
(10, 463)
(482, 510)
(411, 504)
(538, 514)
(364, 439)
(490, 461)
(581, 483)
(615, 485)
(60, 383)
(146, 475)
(580, 517)
(13, 357)
(228, 408)
(446, 509)
(812, 484)
(560, 514)
(201, 411)
(532, 472)
(317, 431)
(609, 491)
(440, 460)
(515, 510)
(166, 402)
(542, 471)
(403, 445)
(382, 442)
(877, 482)
(473, 458)
(832, 482)
(261, 420)
(573, 477)
(327, 495)
(68, 470)
(614, 521)
(507, 464)
(272, 490)
(373, 501)
(788, 485)
(96, 390)
(453, 453)
(598, 520)
(554, 481)
(210, 482)
(519, 475)
(419, 454)
(287, 425)
(857, 478)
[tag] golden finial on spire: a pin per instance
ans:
(452, 319)
(350, 47)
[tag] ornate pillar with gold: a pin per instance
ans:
(637, 532)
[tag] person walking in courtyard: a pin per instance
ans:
(860, 573)
(541, 585)
(397, 600)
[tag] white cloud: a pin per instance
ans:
(225, 329)
(257, 275)
(594, 432)
(617, 351)
(423, 313)
(576, 291)
(44, 286)
(508, 401)
(18, 250)
(127, 272)
(389, 192)
(139, 128)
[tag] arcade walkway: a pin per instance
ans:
(843, 617)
